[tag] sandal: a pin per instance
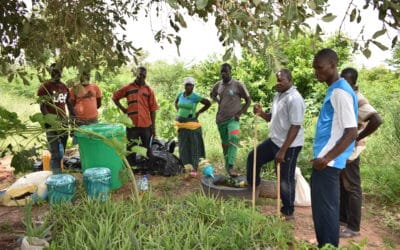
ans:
(348, 233)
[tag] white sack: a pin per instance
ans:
(303, 191)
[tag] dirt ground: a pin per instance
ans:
(373, 234)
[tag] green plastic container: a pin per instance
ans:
(60, 188)
(94, 152)
(97, 183)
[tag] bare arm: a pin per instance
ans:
(349, 135)
(119, 105)
(290, 137)
(98, 102)
(43, 108)
(214, 93)
(244, 108)
(153, 121)
(71, 106)
(374, 121)
(176, 103)
(206, 105)
(257, 110)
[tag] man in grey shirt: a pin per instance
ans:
(228, 93)
(286, 138)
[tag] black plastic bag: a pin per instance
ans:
(164, 161)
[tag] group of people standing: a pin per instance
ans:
(345, 119)
(82, 100)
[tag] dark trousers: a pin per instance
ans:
(325, 192)
(351, 195)
(266, 152)
(54, 138)
(135, 134)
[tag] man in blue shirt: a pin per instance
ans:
(333, 144)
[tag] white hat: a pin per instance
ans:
(188, 80)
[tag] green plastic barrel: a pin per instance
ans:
(60, 188)
(97, 183)
(94, 152)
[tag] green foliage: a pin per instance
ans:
(380, 171)
(82, 34)
(193, 222)
(9, 121)
(395, 60)
(300, 54)
(207, 73)
(255, 72)
(34, 229)
(23, 159)
(167, 79)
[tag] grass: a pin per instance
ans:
(192, 222)
(202, 223)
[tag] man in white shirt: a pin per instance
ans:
(286, 138)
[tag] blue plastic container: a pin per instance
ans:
(60, 188)
(97, 183)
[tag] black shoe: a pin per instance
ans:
(232, 173)
(288, 217)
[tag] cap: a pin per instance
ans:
(188, 80)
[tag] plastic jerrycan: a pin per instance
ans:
(46, 156)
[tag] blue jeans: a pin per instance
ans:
(266, 152)
(325, 195)
(54, 138)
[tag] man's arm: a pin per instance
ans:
(374, 121)
(290, 137)
(153, 121)
(71, 106)
(349, 135)
(43, 108)
(257, 110)
(119, 105)
(343, 104)
(214, 93)
(98, 99)
(244, 107)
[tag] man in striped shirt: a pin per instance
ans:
(142, 106)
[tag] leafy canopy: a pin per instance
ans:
(84, 33)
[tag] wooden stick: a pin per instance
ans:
(254, 162)
(278, 189)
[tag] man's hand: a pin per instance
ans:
(320, 163)
(280, 156)
(257, 109)
(237, 116)
(153, 131)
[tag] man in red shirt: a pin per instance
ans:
(86, 99)
(53, 96)
(142, 106)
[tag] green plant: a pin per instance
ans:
(191, 222)
(41, 229)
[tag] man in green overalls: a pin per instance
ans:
(228, 93)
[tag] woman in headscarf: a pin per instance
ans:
(191, 144)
